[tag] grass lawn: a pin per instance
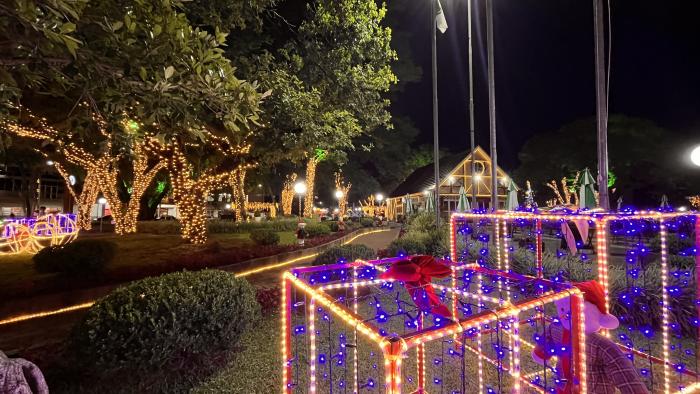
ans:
(133, 251)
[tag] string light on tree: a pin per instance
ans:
(288, 194)
(342, 192)
(319, 155)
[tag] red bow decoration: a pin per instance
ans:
(417, 273)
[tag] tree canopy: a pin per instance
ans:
(643, 158)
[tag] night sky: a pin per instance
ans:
(545, 68)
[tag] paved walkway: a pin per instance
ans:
(41, 331)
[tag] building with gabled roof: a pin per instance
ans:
(455, 171)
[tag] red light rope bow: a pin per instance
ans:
(417, 274)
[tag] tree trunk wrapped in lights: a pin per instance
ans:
(85, 199)
(126, 214)
(344, 188)
(190, 187)
(102, 170)
(310, 178)
(237, 181)
(288, 194)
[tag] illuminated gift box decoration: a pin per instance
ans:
(30, 235)
(646, 261)
(346, 330)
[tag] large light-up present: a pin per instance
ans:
(358, 328)
(646, 261)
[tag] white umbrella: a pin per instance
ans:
(462, 201)
(512, 197)
(429, 203)
(587, 191)
(409, 205)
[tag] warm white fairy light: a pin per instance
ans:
(342, 191)
(310, 179)
(288, 194)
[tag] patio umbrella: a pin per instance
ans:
(664, 202)
(409, 205)
(462, 201)
(587, 191)
(429, 203)
(512, 197)
(619, 204)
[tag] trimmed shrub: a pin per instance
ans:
(422, 222)
(226, 226)
(159, 227)
(348, 252)
(366, 222)
(333, 225)
(317, 230)
(162, 322)
(435, 243)
(407, 245)
(217, 226)
(87, 256)
(264, 236)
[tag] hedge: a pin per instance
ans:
(162, 322)
(88, 256)
(347, 252)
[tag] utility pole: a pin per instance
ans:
(436, 140)
(492, 105)
(471, 101)
(601, 104)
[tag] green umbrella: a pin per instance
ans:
(429, 203)
(587, 191)
(462, 201)
(409, 205)
(512, 197)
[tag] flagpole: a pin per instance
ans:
(471, 100)
(436, 142)
(601, 105)
(492, 105)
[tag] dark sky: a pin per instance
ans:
(545, 68)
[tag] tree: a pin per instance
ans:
(641, 157)
(162, 87)
(327, 64)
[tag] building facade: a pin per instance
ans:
(455, 172)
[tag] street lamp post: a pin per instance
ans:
(300, 189)
(379, 197)
(102, 201)
(471, 100)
